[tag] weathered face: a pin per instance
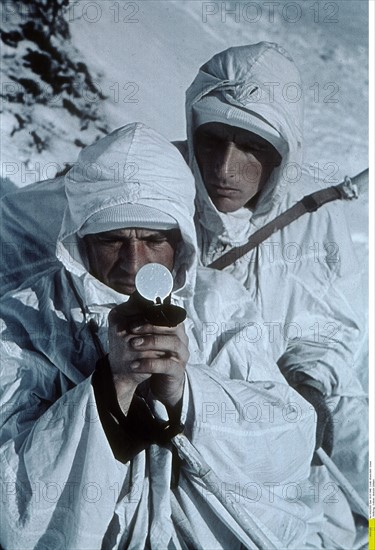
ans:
(115, 257)
(234, 164)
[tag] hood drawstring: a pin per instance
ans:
(91, 324)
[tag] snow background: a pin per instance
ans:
(161, 54)
(144, 55)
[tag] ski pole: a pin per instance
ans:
(258, 536)
(345, 485)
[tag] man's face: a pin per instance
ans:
(115, 257)
(234, 164)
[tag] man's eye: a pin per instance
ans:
(108, 242)
(155, 240)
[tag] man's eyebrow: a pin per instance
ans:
(155, 234)
(241, 139)
(145, 233)
(105, 235)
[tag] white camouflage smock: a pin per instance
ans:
(303, 278)
(61, 484)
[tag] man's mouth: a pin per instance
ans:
(223, 191)
(124, 287)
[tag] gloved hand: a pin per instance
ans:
(324, 422)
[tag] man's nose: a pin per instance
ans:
(225, 162)
(131, 258)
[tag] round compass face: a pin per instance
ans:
(154, 281)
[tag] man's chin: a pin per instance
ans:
(226, 205)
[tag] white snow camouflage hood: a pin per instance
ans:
(131, 167)
(260, 84)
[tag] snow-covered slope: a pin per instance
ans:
(149, 53)
(46, 90)
(144, 54)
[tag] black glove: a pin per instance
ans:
(131, 434)
(324, 422)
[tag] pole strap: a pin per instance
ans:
(346, 190)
